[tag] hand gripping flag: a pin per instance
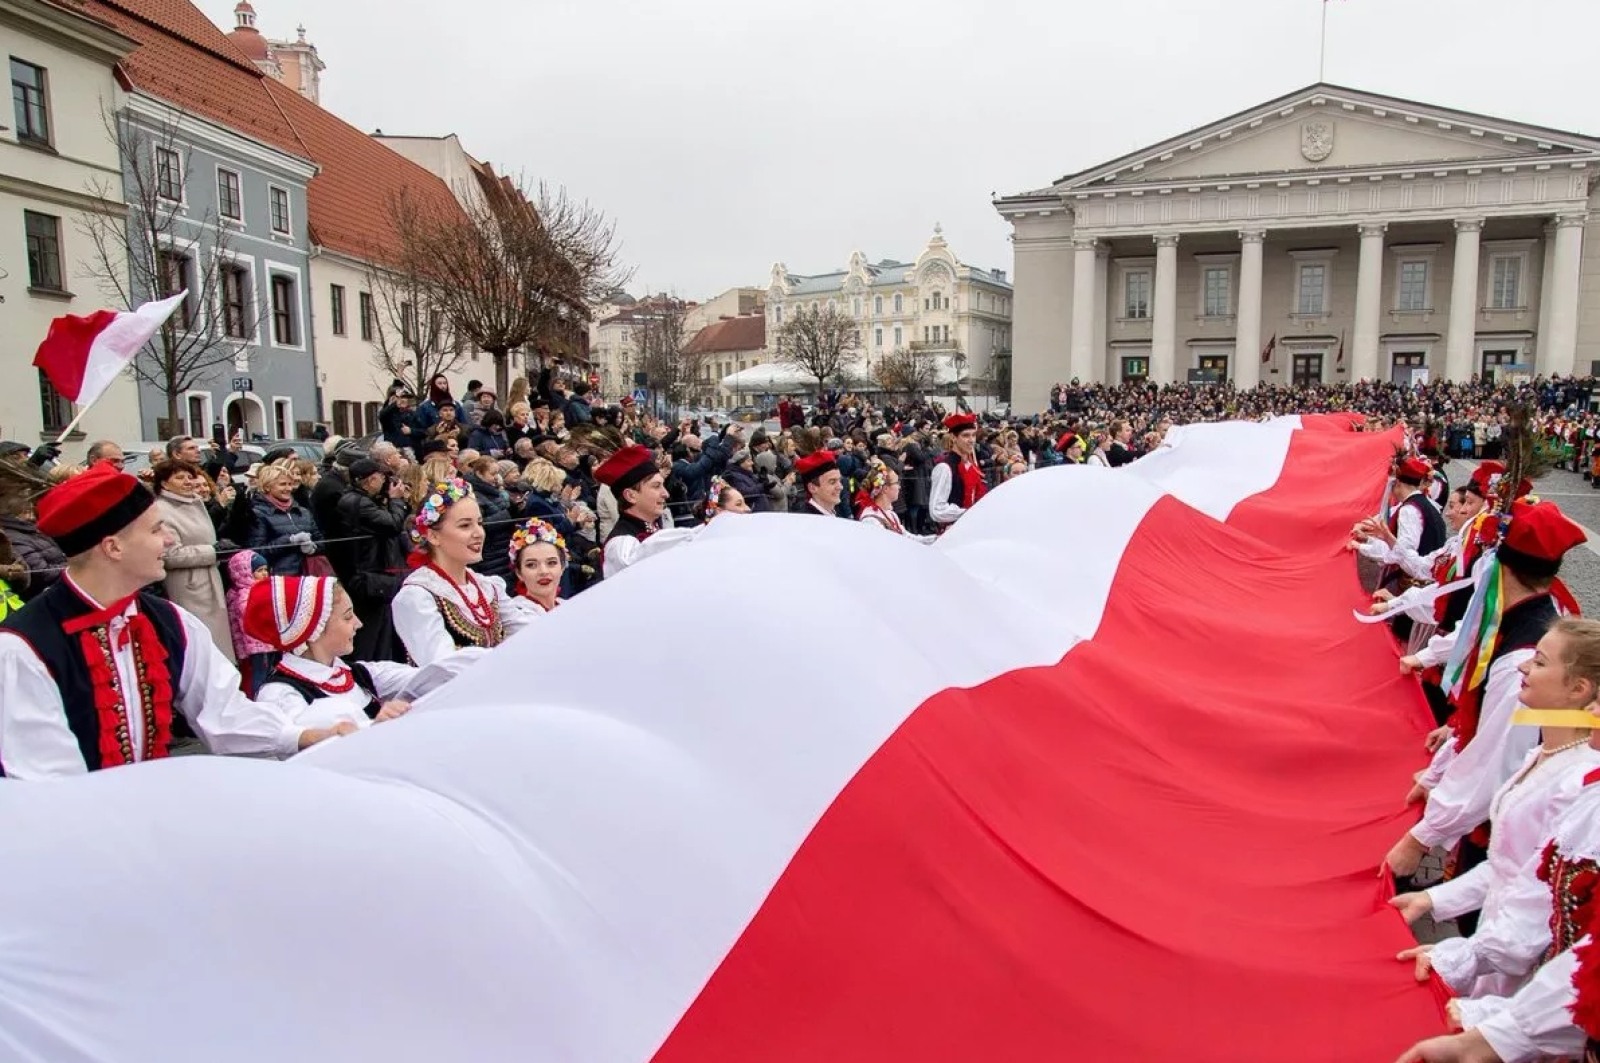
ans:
(83, 355)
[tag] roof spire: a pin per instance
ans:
(244, 15)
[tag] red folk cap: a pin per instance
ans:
(286, 612)
(90, 507)
(1486, 478)
(815, 464)
(1540, 530)
(626, 468)
(960, 422)
(1413, 471)
(1067, 441)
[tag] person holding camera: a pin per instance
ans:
(374, 510)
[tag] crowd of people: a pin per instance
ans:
(208, 604)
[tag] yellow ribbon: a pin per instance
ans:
(1556, 718)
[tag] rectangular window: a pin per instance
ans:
(342, 424)
(1505, 291)
(926, 333)
(198, 428)
(279, 202)
(283, 311)
(877, 337)
(877, 304)
(55, 409)
(175, 271)
(1136, 295)
(32, 108)
(236, 302)
(366, 316)
(408, 328)
(897, 341)
(1413, 286)
(169, 175)
(855, 307)
(44, 251)
(336, 298)
(229, 203)
(1217, 282)
(281, 419)
(1313, 288)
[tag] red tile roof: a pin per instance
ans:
(357, 180)
(186, 60)
(745, 333)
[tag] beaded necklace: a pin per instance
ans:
(343, 680)
(481, 612)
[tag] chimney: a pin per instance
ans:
(999, 274)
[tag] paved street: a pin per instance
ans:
(1570, 491)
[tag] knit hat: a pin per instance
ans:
(289, 612)
(90, 507)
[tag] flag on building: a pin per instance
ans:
(1266, 352)
(1124, 808)
(83, 355)
(1339, 360)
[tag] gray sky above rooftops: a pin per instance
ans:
(723, 136)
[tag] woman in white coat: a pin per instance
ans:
(193, 578)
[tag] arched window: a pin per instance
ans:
(897, 302)
(877, 304)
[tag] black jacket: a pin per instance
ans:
(36, 550)
(372, 568)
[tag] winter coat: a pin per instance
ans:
(394, 421)
(38, 551)
(324, 507)
(193, 579)
(489, 444)
(239, 575)
(772, 467)
(427, 415)
(914, 484)
(270, 532)
(749, 485)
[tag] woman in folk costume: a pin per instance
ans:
(538, 561)
(641, 493)
(444, 607)
(723, 497)
(875, 501)
(1510, 612)
(958, 481)
(312, 622)
(1563, 675)
(94, 669)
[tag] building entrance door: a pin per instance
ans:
(1307, 370)
(1404, 362)
(1135, 369)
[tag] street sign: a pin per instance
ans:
(243, 383)
(640, 395)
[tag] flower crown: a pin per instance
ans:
(441, 496)
(877, 477)
(718, 485)
(535, 531)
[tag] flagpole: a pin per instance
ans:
(1322, 51)
(67, 431)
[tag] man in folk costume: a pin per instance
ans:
(822, 482)
(641, 492)
(1413, 529)
(1510, 611)
(957, 480)
(94, 668)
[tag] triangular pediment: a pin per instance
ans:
(1329, 129)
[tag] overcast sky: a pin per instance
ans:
(723, 136)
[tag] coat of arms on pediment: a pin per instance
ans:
(1316, 140)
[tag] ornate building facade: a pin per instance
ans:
(1327, 235)
(960, 313)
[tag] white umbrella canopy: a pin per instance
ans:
(772, 377)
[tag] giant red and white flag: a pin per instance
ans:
(83, 355)
(1103, 775)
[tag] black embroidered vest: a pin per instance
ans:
(39, 623)
(311, 692)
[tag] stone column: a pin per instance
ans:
(1081, 361)
(1562, 353)
(1164, 329)
(1547, 274)
(1461, 340)
(1102, 282)
(1369, 302)
(1247, 344)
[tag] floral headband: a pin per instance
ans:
(441, 496)
(877, 477)
(535, 531)
(718, 485)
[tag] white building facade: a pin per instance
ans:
(58, 165)
(1326, 236)
(960, 313)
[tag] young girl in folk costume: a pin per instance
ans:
(724, 498)
(1563, 675)
(538, 560)
(880, 488)
(443, 606)
(312, 622)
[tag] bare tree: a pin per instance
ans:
(508, 268)
(162, 250)
(412, 335)
(906, 373)
(659, 342)
(818, 342)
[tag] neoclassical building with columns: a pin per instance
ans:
(1327, 235)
